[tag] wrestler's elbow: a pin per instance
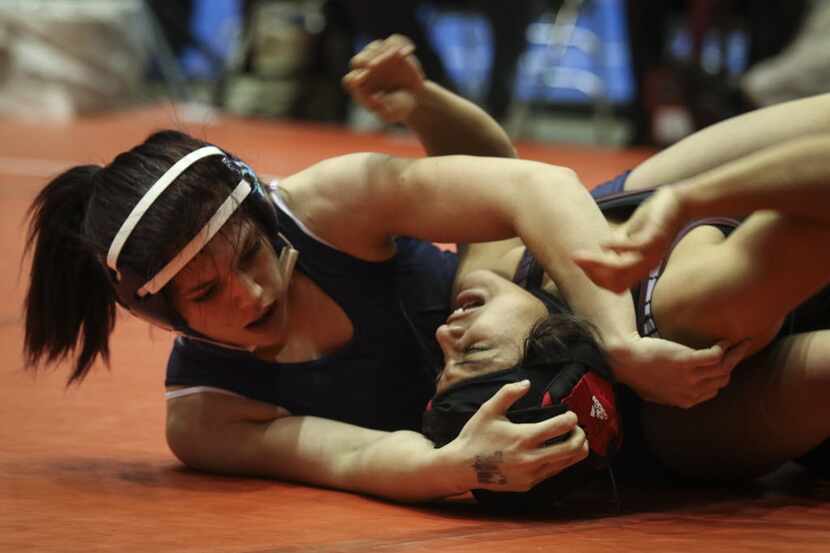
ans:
(182, 438)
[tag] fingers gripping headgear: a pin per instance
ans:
(141, 296)
(578, 380)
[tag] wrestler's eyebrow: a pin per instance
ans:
(248, 241)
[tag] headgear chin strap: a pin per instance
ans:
(141, 296)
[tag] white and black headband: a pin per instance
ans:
(242, 190)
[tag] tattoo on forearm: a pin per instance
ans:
(487, 469)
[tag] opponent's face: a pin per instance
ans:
(233, 291)
(486, 332)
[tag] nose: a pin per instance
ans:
(246, 292)
(448, 337)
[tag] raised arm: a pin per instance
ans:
(387, 79)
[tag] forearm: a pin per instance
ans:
(403, 466)
(791, 178)
(448, 124)
(557, 220)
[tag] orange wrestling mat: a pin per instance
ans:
(87, 469)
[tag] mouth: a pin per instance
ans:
(262, 319)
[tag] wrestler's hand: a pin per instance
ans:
(385, 78)
(638, 245)
(500, 455)
(665, 372)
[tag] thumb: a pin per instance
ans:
(626, 238)
(736, 354)
(498, 405)
(709, 356)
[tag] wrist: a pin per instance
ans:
(618, 348)
(450, 468)
(425, 100)
(690, 200)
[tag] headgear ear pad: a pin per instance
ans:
(578, 381)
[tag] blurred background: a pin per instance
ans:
(606, 72)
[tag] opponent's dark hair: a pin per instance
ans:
(70, 305)
(554, 335)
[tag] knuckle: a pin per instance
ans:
(527, 441)
(527, 461)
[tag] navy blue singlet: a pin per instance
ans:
(384, 376)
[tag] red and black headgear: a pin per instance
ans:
(577, 379)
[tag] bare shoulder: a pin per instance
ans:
(334, 200)
(330, 180)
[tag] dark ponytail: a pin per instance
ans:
(70, 304)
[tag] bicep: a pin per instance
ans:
(469, 199)
(427, 198)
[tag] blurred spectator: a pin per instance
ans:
(802, 69)
(374, 19)
(61, 58)
(685, 62)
